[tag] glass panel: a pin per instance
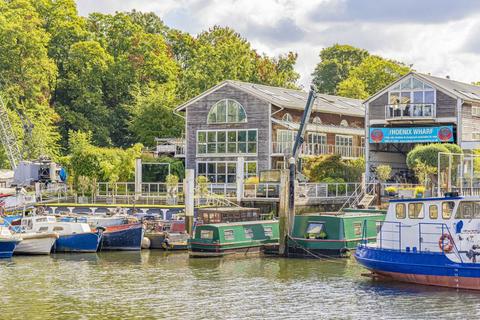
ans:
(212, 168)
(242, 117)
(242, 147)
(232, 136)
(202, 148)
(212, 148)
(447, 209)
(357, 228)
(396, 88)
(242, 135)
(416, 84)
(406, 84)
(221, 178)
(212, 136)
(231, 178)
(415, 210)
(221, 167)
(232, 147)
(252, 135)
(221, 148)
(268, 231)
(228, 235)
(221, 112)
(429, 97)
(232, 112)
(315, 227)
(394, 98)
(433, 212)
(221, 136)
(206, 234)
(248, 233)
(252, 147)
(232, 168)
(212, 115)
(202, 136)
(400, 211)
(418, 97)
(426, 86)
(405, 97)
(202, 168)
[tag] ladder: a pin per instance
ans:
(8, 138)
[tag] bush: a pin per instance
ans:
(319, 168)
(384, 172)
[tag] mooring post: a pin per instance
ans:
(138, 178)
(283, 211)
(189, 191)
(240, 178)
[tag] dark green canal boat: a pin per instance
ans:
(217, 240)
(333, 235)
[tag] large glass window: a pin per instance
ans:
(344, 145)
(227, 142)
(468, 210)
(415, 210)
(411, 98)
(225, 171)
(447, 209)
(227, 111)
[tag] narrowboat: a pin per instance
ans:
(217, 240)
(332, 234)
(126, 237)
(431, 241)
(227, 214)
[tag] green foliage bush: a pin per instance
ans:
(326, 167)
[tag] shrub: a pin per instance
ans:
(384, 172)
(319, 168)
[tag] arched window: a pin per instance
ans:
(287, 117)
(344, 123)
(227, 111)
(317, 120)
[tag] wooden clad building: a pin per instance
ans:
(419, 108)
(259, 123)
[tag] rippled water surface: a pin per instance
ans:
(157, 285)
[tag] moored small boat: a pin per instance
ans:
(434, 241)
(123, 237)
(36, 243)
(8, 242)
(240, 238)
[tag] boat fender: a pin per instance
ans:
(445, 243)
(146, 243)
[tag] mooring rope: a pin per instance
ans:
(315, 255)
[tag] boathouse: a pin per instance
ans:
(419, 108)
(259, 123)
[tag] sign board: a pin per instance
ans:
(411, 135)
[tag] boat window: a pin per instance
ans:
(357, 228)
(43, 229)
(315, 227)
(228, 235)
(248, 233)
(57, 228)
(433, 211)
(400, 211)
(206, 234)
(268, 231)
(468, 210)
(447, 209)
(415, 210)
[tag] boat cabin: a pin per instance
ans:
(239, 236)
(227, 214)
(50, 224)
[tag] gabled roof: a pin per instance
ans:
(290, 98)
(456, 89)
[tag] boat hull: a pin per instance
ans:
(426, 268)
(7, 247)
(79, 242)
(124, 237)
(238, 252)
(36, 244)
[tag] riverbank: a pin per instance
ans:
(157, 285)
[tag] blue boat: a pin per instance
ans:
(123, 237)
(7, 246)
(433, 241)
(78, 242)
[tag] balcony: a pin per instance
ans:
(170, 146)
(411, 111)
(316, 149)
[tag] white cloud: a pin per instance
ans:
(441, 41)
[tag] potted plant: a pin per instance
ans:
(391, 191)
(419, 191)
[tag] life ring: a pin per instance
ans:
(448, 246)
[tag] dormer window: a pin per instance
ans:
(317, 120)
(344, 123)
(227, 111)
(287, 117)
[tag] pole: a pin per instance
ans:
(189, 190)
(240, 178)
(138, 178)
(283, 211)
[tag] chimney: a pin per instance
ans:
(448, 77)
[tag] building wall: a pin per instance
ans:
(257, 118)
(446, 105)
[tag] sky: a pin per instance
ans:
(439, 37)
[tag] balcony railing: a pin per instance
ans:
(410, 111)
(316, 149)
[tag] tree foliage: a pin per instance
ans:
(332, 168)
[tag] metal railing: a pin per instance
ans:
(314, 149)
(262, 190)
(410, 111)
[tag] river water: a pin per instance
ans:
(159, 285)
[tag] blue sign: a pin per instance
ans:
(411, 135)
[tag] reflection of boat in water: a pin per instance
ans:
(222, 239)
(123, 237)
(8, 242)
(432, 241)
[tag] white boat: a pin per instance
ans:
(8, 242)
(36, 243)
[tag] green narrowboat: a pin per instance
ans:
(221, 239)
(333, 235)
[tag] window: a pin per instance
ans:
(225, 171)
(476, 111)
(227, 142)
(357, 228)
(248, 233)
(415, 210)
(43, 229)
(400, 211)
(344, 145)
(433, 211)
(476, 136)
(268, 231)
(315, 227)
(447, 209)
(287, 117)
(250, 169)
(344, 123)
(411, 98)
(206, 234)
(468, 210)
(316, 143)
(317, 120)
(228, 235)
(57, 229)
(227, 111)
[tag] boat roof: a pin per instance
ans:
(344, 214)
(241, 223)
(431, 199)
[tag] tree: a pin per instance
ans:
(335, 65)
(352, 87)
(376, 73)
(384, 172)
(332, 168)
